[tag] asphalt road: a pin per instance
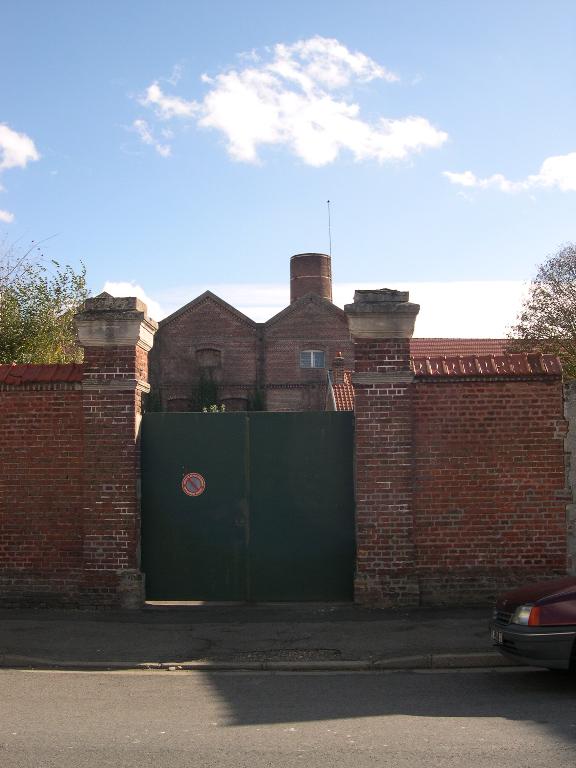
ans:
(518, 718)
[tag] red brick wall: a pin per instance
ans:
(41, 493)
(460, 486)
(69, 469)
(490, 498)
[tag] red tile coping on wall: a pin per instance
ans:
(15, 375)
(436, 347)
(464, 366)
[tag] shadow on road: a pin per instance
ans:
(542, 697)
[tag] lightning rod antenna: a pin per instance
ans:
(329, 229)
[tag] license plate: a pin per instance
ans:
(497, 637)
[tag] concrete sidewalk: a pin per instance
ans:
(219, 636)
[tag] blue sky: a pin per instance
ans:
(183, 145)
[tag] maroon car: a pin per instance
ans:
(536, 624)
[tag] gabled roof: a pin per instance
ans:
(301, 302)
(205, 297)
(15, 375)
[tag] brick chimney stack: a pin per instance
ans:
(310, 273)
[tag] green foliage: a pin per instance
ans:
(214, 408)
(205, 394)
(37, 307)
(547, 320)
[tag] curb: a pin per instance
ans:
(422, 661)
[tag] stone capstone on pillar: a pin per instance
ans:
(107, 321)
(381, 314)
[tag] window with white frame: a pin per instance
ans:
(312, 358)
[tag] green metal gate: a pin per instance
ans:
(275, 520)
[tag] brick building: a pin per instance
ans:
(209, 351)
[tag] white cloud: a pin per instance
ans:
(147, 137)
(258, 301)
(175, 75)
(168, 106)
(447, 309)
(455, 309)
(16, 149)
(6, 216)
(130, 288)
(322, 61)
(557, 172)
(288, 99)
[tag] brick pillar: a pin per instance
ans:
(116, 334)
(381, 324)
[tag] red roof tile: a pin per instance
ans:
(344, 393)
(27, 374)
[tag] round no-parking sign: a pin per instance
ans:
(193, 484)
